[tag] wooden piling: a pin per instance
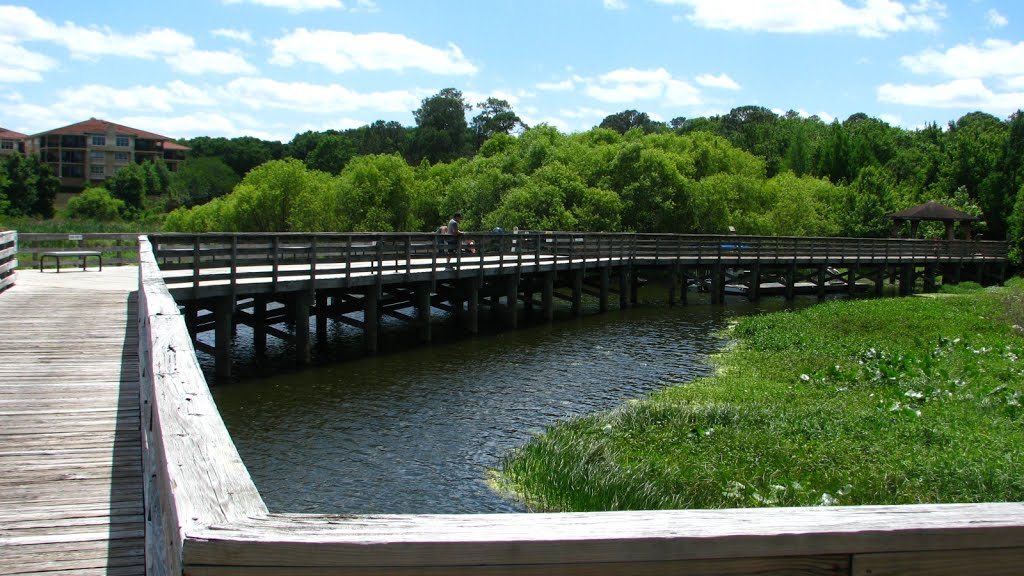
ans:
(548, 296)
(512, 301)
(371, 318)
(473, 306)
(300, 320)
(605, 289)
(224, 307)
(259, 325)
(577, 293)
(423, 310)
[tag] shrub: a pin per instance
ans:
(95, 204)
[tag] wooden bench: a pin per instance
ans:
(83, 254)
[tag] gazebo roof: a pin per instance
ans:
(932, 211)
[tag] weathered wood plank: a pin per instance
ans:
(70, 451)
(997, 562)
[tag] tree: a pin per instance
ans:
(440, 127)
(331, 154)
(382, 138)
(95, 204)
(626, 120)
(202, 179)
(47, 186)
(495, 117)
(21, 185)
(129, 185)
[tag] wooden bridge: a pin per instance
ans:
(205, 517)
(263, 280)
(70, 446)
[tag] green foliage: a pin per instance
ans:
(129, 185)
(825, 406)
(202, 179)
(376, 195)
(331, 154)
(441, 127)
(95, 204)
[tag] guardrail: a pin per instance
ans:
(117, 248)
(205, 516)
(238, 258)
(8, 258)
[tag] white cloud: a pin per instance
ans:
(343, 51)
(90, 43)
(259, 93)
(563, 86)
(196, 62)
(18, 23)
(584, 112)
(292, 5)
(966, 93)
(721, 81)
(109, 98)
(615, 4)
(993, 58)
(185, 126)
(20, 65)
(629, 85)
(240, 35)
(891, 119)
(995, 19)
(874, 18)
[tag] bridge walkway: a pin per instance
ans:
(70, 449)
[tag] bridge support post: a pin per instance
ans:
(717, 284)
(577, 293)
(423, 311)
(906, 279)
(371, 316)
(822, 274)
(512, 301)
(754, 292)
(526, 282)
(624, 288)
(300, 320)
(605, 288)
(321, 318)
(980, 278)
(259, 325)
(223, 310)
(851, 279)
(191, 314)
(548, 296)
(951, 273)
(673, 284)
(790, 282)
(473, 305)
(634, 289)
(879, 280)
(929, 278)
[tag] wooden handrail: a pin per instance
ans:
(8, 258)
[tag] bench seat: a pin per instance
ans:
(81, 254)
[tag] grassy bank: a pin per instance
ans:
(889, 401)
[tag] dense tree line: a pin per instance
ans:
(752, 169)
(28, 187)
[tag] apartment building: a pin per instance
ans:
(89, 152)
(11, 142)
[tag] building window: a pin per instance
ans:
(96, 156)
(121, 156)
(99, 140)
(122, 141)
(97, 170)
(6, 144)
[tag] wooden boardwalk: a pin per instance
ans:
(70, 449)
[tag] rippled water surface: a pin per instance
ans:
(417, 431)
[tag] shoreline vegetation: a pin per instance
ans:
(853, 402)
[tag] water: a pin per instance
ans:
(417, 431)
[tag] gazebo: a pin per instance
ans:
(932, 211)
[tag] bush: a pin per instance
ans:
(95, 204)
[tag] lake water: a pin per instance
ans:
(417, 431)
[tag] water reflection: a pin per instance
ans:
(416, 432)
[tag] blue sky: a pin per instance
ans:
(274, 68)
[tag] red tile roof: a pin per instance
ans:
(174, 146)
(95, 126)
(5, 133)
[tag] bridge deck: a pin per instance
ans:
(70, 450)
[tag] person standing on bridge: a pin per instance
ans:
(453, 224)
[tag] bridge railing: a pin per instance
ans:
(246, 257)
(204, 515)
(8, 258)
(117, 248)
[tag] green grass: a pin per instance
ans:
(889, 401)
